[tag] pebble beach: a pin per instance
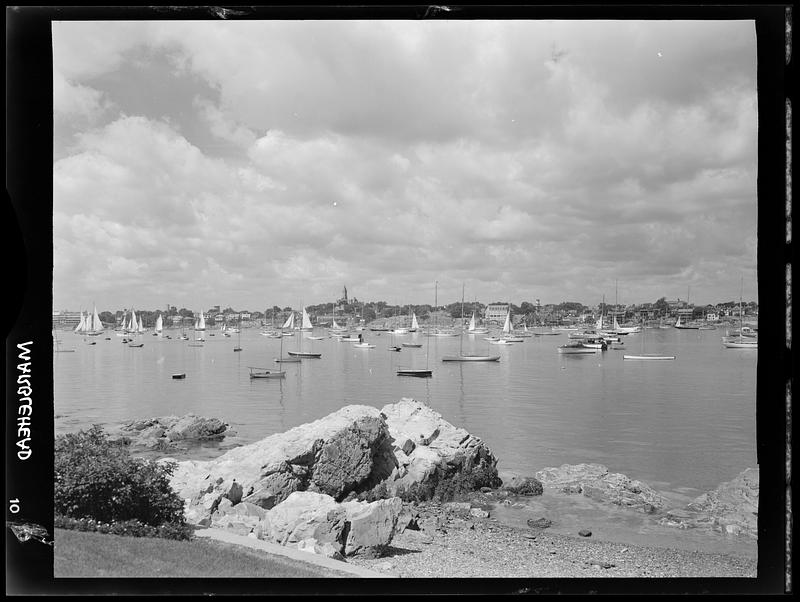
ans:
(450, 546)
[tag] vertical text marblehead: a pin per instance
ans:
(25, 401)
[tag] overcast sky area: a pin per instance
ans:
(253, 163)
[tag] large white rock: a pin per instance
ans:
(333, 455)
(371, 525)
(429, 448)
(305, 515)
(311, 520)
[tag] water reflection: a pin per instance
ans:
(689, 423)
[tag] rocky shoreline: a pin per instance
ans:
(454, 545)
(376, 488)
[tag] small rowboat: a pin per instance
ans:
(287, 360)
(264, 373)
(415, 345)
(180, 376)
(395, 348)
(648, 357)
(418, 372)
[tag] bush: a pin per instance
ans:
(97, 479)
(133, 528)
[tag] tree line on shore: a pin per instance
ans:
(376, 310)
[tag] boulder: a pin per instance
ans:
(349, 450)
(309, 520)
(304, 515)
(371, 525)
(730, 508)
(540, 523)
(596, 482)
(165, 432)
(519, 485)
(439, 451)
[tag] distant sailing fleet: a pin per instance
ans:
(581, 341)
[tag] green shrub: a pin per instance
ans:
(98, 479)
(132, 528)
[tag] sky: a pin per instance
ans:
(259, 163)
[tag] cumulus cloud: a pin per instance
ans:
(269, 162)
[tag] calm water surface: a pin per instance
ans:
(683, 426)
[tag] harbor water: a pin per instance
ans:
(683, 426)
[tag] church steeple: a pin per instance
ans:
(344, 294)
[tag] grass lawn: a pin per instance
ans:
(86, 554)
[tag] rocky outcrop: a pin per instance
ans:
(520, 485)
(168, 432)
(730, 508)
(316, 522)
(346, 451)
(428, 449)
(596, 482)
(355, 450)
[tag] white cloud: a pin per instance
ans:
(527, 157)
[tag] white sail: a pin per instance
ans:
(507, 325)
(472, 322)
(159, 324)
(306, 321)
(335, 325)
(141, 328)
(134, 326)
(616, 324)
(414, 323)
(97, 324)
(289, 321)
(201, 322)
(82, 325)
(599, 324)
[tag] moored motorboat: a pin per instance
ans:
(575, 348)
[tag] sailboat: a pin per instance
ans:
(306, 325)
(159, 326)
(647, 356)
(461, 357)
(239, 335)
(81, 327)
(418, 372)
(507, 338)
(200, 323)
(198, 339)
(414, 324)
(281, 359)
(90, 325)
(474, 329)
(740, 342)
(136, 329)
(266, 373)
